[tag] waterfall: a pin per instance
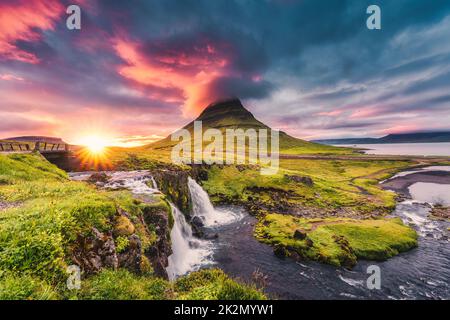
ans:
(188, 253)
(155, 186)
(135, 181)
(203, 208)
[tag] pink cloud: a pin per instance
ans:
(365, 113)
(10, 77)
(190, 73)
(19, 21)
(401, 129)
(330, 113)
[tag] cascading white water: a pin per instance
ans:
(155, 186)
(135, 181)
(188, 252)
(203, 208)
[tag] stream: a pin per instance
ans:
(422, 273)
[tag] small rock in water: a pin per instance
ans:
(197, 221)
(98, 177)
(211, 236)
(280, 251)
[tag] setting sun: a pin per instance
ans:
(95, 144)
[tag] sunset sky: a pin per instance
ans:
(138, 70)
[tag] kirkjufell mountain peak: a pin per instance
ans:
(231, 114)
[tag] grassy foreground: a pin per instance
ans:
(45, 217)
(336, 241)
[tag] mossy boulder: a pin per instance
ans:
(336, 241)
(123, 226)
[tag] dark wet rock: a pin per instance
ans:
(211, 236)
(300, 179)
(130, 258)
(174, 184)
(197, 231)
(95, 252)
(309, 243)
(99, 178)
(441, 212)
(197, 221)
(299, 235)
(158, 253)
(280, 251)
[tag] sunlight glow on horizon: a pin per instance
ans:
(95, 143)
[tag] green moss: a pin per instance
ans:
(121, 244)
(13, 287)
(338, 241)
(214, 284)
(202, 285)
(123, 285)
(123, 226)
(337, 186)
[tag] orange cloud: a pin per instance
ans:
(19, 21)
(190, 74)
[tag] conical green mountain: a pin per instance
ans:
(231, 114)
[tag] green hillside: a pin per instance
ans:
(231, 114)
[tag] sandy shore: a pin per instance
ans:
(401, 184)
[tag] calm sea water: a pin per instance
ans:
(407, 149)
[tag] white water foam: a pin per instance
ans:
(203, 208)
(189, 253)
(135, 181)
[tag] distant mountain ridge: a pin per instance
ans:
(36, 138)
(417, 137)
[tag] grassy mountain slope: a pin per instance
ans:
(231, 114)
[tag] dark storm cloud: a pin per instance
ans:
(240, 87)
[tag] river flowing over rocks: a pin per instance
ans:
(223, 237)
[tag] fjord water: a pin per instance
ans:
(406, 149)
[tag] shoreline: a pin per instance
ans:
(400, 185)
